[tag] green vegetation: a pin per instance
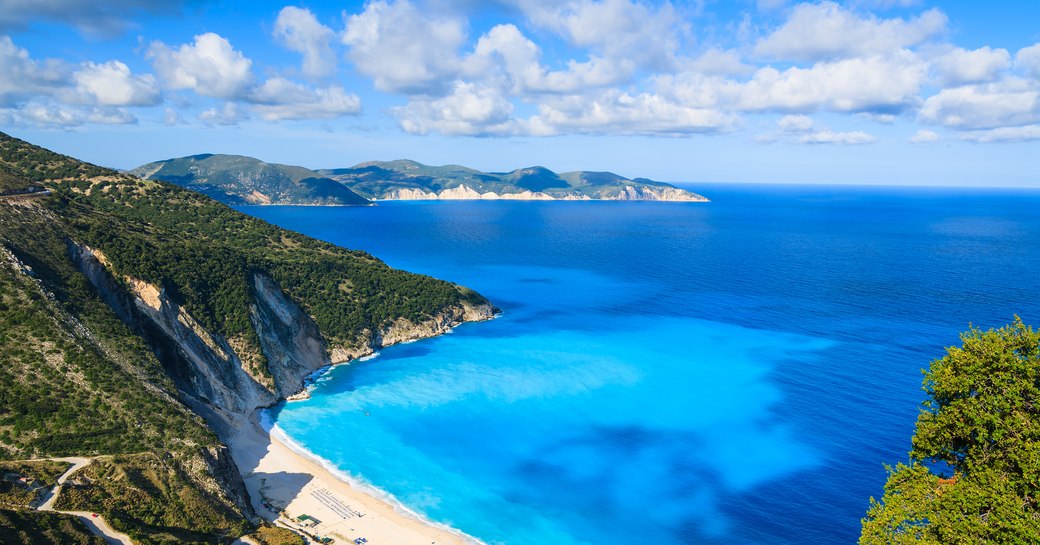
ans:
(24, 483)
(233, 179)
(153, 498)
(20, 527)
(974, 475)
(274, 535)
(75, 379)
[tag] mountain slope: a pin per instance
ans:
(234, 179)
(141, 323)
(404, 179)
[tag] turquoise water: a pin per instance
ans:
(666, 373)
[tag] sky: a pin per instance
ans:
(894, 92)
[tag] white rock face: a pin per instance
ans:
(466, 193)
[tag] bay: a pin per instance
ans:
(731, 372)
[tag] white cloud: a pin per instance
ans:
(879, 84)
(112, 84)
(299, 30)
(827, 136)
(1007, 103)
(279, 99)
(470, 110)
(795, 123)
(402, 49)
(826, 30)
(718, 62)
(924, 137)
(36, 114)
(645, 35)
(959, 66)
(613, 112)
(1028, 60)
(228, 115)
(110, 116)
(21, 77)
(1027, 133)
(504, 49)
(209, 67)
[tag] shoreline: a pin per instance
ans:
(294, 482)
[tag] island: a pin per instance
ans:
(235, 179)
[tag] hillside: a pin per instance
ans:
(234, 179)
(404, 179)
(141, 322)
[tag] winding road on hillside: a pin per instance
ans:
(95, 522)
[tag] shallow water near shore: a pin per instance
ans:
(667, 373)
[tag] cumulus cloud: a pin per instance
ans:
(958, 66)
(228, 115)
(619, 30)
(1007, 103)
(110, 116)
(299, 30)
(879, 84)
(795, 123)
(924, 137)
(826, 30)
(279, 99)
(827, 136)
(112, 84)
(470, 110)
(37, 114)
(1027, 133)
(1028, 60)
(506, 51)
(106, 18)
(21, 77)
(403, 50)
(614, 111)
(209, 66)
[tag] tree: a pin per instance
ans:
(974, 472)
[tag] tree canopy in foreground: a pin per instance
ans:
(974, 471)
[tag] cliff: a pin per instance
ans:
(143, 323)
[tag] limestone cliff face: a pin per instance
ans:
(646, 193)
(629, 193)
(203, 365)
(289, 337)
(215, 373)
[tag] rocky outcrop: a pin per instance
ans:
(466, 193)
(203, 365)
(648, 193)
(289, 337)
(210, 369)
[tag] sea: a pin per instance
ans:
(732, 372)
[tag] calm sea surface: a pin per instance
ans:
(666, 373)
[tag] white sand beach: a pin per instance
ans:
(295, 485)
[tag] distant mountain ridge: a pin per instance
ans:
(406, 179)
(235, 179)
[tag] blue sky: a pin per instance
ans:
(863, 92)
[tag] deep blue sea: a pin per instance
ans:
(666, 373)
